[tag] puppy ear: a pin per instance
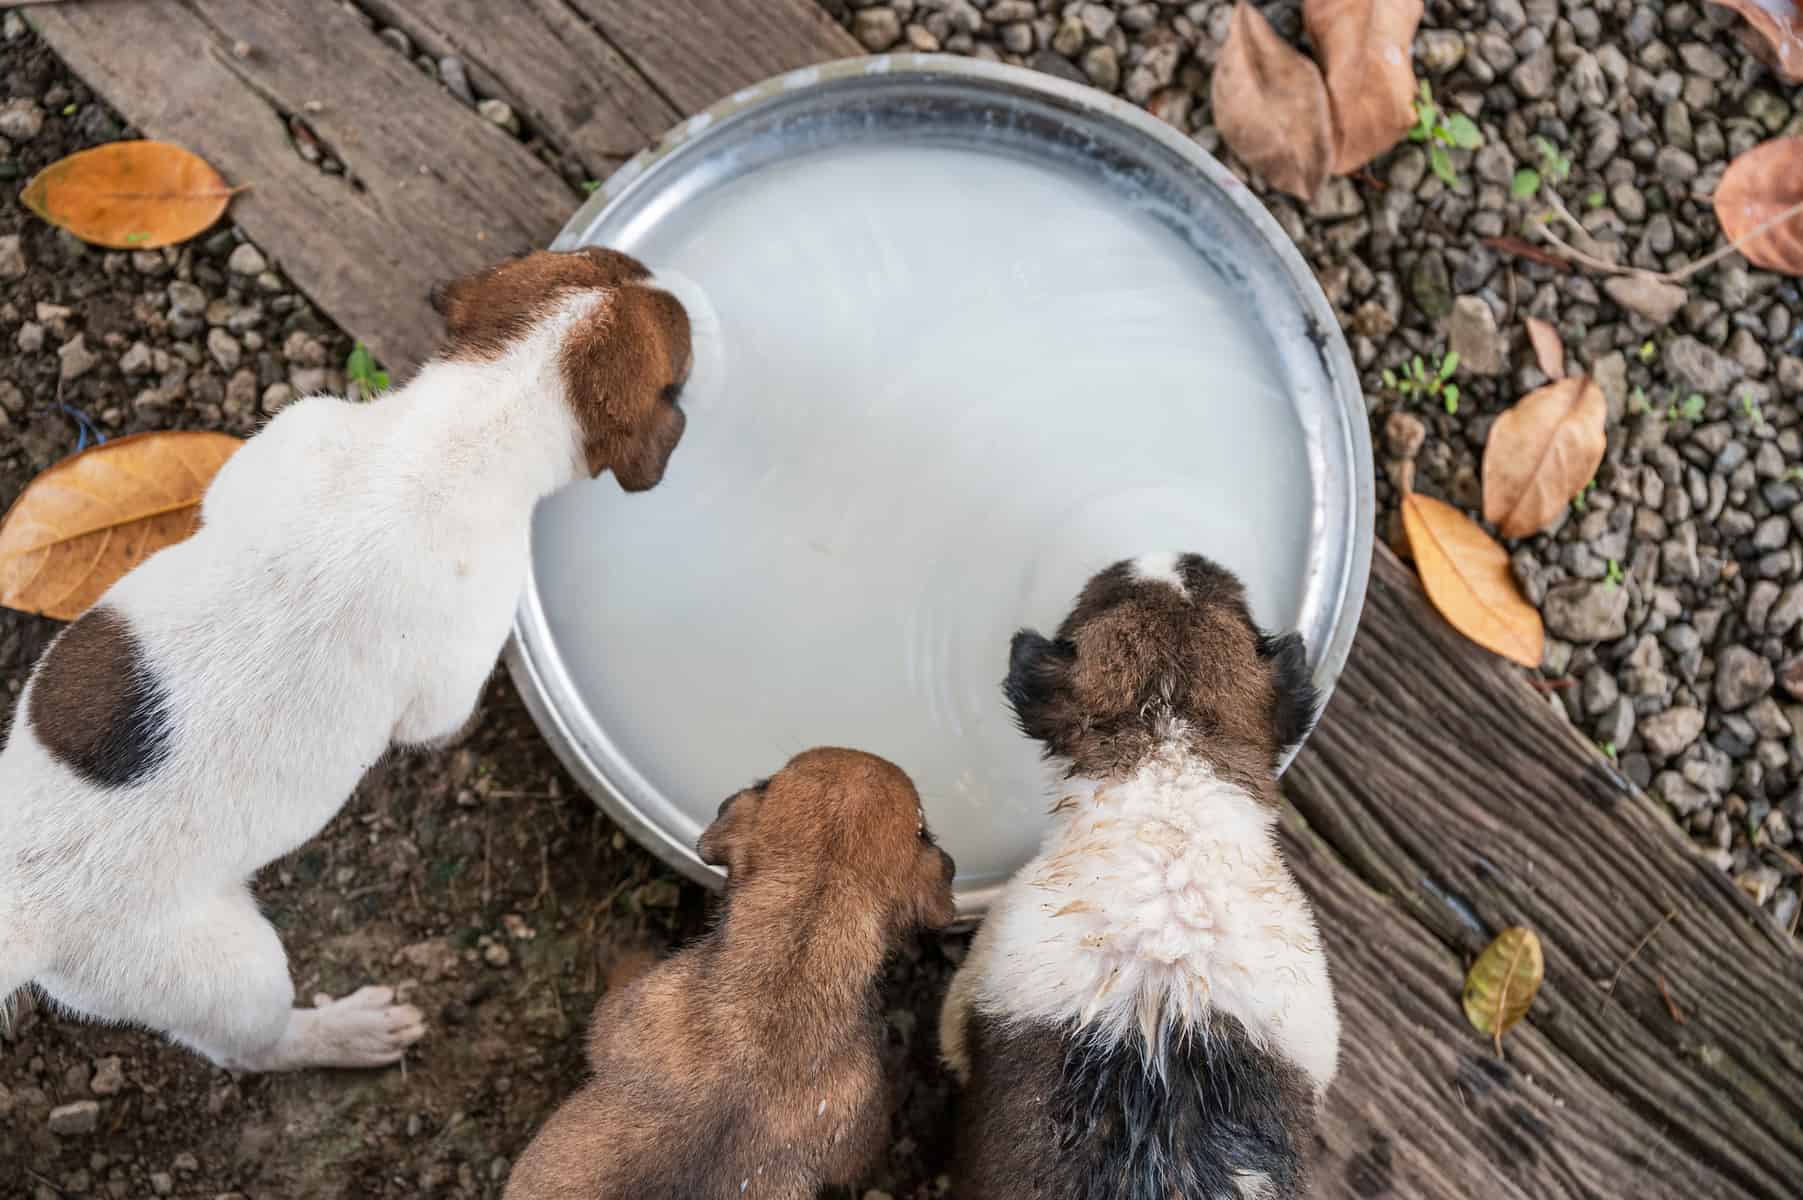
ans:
(1298, 704)
(722, 844)
(1038, 682)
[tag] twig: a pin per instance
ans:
(488, 838)
(1796, 864)
(1517, 248)
(1670, 1004)
(1609, 991)
(1682, 273)
(45, 1182)
(1562, 684)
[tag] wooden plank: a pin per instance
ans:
(1444, 800)
(431, 189)
(697, 51)
(565, 80)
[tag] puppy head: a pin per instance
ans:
(839, 822)
(624, 361)
(1156, 643)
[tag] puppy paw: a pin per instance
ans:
(364, 1029)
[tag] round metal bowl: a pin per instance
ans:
(959, 103)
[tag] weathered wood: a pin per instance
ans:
(1444, 800)
(430, 189)
(696, 51)
(566, 81)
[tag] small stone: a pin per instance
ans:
(660, 893)
(241, 392)
(456, 79)
(30, 338)
(109, 1077)
(1440, 50)
(276, 397)
(500, 113)
(1532, 78)
(1758, 883)
(186, 300)
(162, 1183)
(1700, 368)
(1741, 677)
(1429, 286)
(1680, 794)
(1017, 38)
(137, 360)
(1703, 60)
(1473, 336)
(877, 28)
(247, 260)
(224, 348)
(1790, 677)
(21, 120)
(1070, 37)
(12, 257)
(496, 955)
(77, 359)
(1403, 434)
(74, 1120)
(1787, 612)
(1587, 611)
(308, 381)
(1103, 66)
(304, 350)
(1653, 299)
(1670, 733)
(1097, 20)
(1599, 691)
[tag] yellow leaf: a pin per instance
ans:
(129, 195)
(1503, 982)
(86, 521)
(1271, 107)
(1467, 577)
(1541, 453)
(1366, 49)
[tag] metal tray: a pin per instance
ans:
(968, 104)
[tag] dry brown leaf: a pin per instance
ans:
(1503, 982)
(1549, 349)
(1467, 576)
(1771, 29)
(1366, 49)
(1758, 188)
(1541, 453)
(87, 520)
(1271, 107)
(129, 195)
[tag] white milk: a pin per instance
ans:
(954, 386)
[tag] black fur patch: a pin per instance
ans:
(1036, 669)
(1298, 703)
(97, 707)
(1048, 1116)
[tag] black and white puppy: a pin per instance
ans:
(1146, 1012)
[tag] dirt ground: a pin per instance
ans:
(481, 879)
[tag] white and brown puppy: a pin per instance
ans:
(349, 589)
(1145, 1014)
(747, 1065)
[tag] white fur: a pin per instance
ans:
(1159, 568)
(350, 588)
(1154, 901)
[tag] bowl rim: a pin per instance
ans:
(531, 656)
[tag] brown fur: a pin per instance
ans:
(623, 366)
(1136, 655)
(95, 705)
(747, 1065)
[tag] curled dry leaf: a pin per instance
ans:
(1366, 48)
(129, 195)
(1549, 349)
(1771, 29)
(86, 521)
(1503, 982)
(1270, 105)
(1758, 189)
(1467, 577)
(1541, 453)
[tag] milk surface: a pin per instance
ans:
(948, 388)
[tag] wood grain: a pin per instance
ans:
(567, 82)
(1442, 800)
(430, 190)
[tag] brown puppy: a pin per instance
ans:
(746, 1065)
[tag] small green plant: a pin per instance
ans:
(1647, 351)
(361, 369)
(1750, 406)
(1440, 129)
(132, 239)
(1608, 749)
(1418, 379)
(1794, 475)
(1613, 579)
(70, 108)
(1595, 199)
(1637, 400)
(590, 186)
(1581, 501)
(1689, 409)
(1555, 167)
